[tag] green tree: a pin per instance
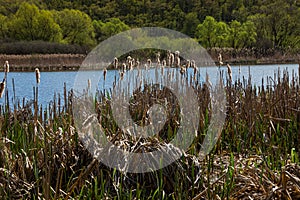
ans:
(29, 23)
(3, 26)
(77, 27)
(234, 33)
(206, 32)
(222, 34)
(247, 34)
(110, 28)
(190, 24)
(50, 29)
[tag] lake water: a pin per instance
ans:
(53, 82)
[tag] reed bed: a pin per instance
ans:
(42, 157)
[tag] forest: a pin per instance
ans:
(237, 24)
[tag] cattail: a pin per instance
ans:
(37, 75)
(182, 70)
(115, 62)
(104, 73)
(193, 64)
(207, 81)
(2, 87)
(129, 58)
(149, 63)
(123, 67)
(89, 83)
(195, 72)
(6, 67)
(158, 59)
(164, 63)
(130, 65)
(220, 59)
(229, 72)
(177, 59)
(121, 75)
(188, 64)
(171, 59)
(137, 63)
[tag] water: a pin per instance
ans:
(53, 82)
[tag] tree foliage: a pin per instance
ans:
(237, 23)
(29, 23)
(110, 28)
(77, 27)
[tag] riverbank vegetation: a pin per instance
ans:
(238, 24)
(257, 155)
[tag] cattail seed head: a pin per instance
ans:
(124, 67)
(115, 62)
(6, 67)
(37, 75)
(229, 71)
(104, 73)
(182, 70)
(2, 87)
(220, 59)
(89, 83)
(149, 62)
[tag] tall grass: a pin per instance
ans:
(41, 156)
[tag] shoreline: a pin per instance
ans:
(72, 62)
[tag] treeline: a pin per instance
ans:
(260, 24)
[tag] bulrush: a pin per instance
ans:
(220, 59)
(164, 63)
(149, 63)
(207, 81)
(130, 65)
(89, 83)
(170, 58)
(158, 59)
(104, 73)
(193, 65)
(177, 59)
(121, 75)
(188, 64)
(2, 87)
(37, 75)
(182, 70)
(123, 67)
(115, 62)
(229, 72)
(6, 67)
(137, 62)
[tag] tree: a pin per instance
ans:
(29, 23)
(3, 26)
(222, 34)
(247, 34)
(110, 28)
(190, 24)
(234, 31)
(48, 29)
(77, 27)
(206, 32)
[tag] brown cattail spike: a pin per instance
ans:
(220, 59)
(37, 75)
(177, 59)
(116, 63)
(2, 87)
(6, 67)
(229, 72)
(89, 83)
(104, 73)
